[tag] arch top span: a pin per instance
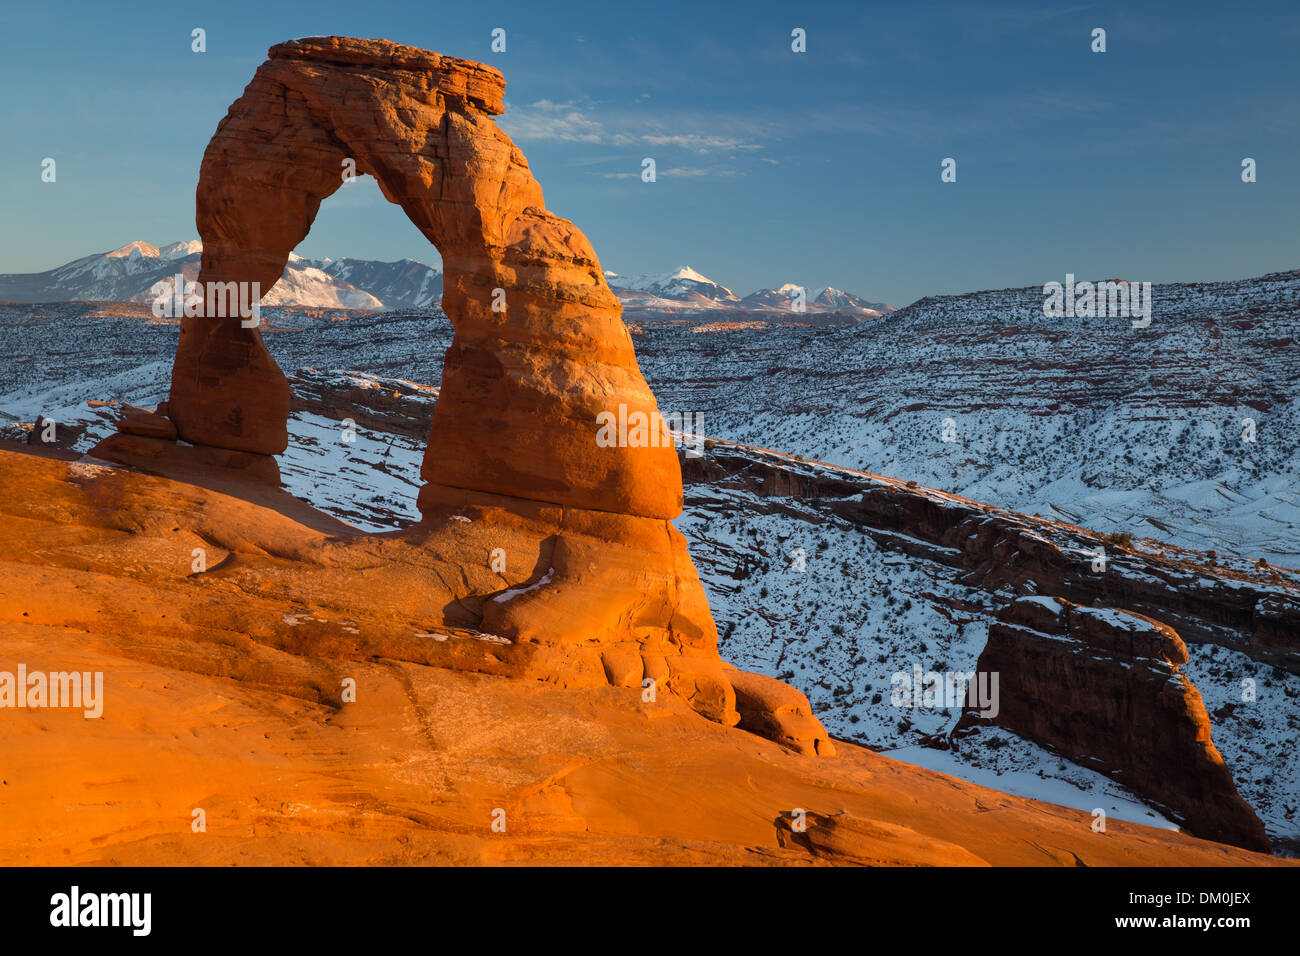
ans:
(540, 350)
(483, 85)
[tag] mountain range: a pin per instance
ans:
(133, 272)
(684, 289)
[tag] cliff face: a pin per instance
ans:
(1103, 687)
(1249, 609)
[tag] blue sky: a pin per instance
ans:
(817, 168)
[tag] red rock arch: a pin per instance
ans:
(599, 587)
(521, 388)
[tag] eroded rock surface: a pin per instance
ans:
(1103, 687)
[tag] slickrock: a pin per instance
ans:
(296, 688)
(141, 443)
(1103, 687)
(556, 546)
(844, 838)
(139, 421)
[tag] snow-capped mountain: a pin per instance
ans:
(133, 273)
(138, 270)
(681, 285)
(685, 289)
(782, 298)
(179, 250)
(834, 298)
(825, 299)
(300, 285)
(406, 284)
(115, 276)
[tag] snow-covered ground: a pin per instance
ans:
(370, 482)
(1185, 430)
(1259, 738)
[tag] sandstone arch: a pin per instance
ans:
(522, 388)
(599, 587)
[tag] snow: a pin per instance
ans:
(406, 283)
(856, 615)
(131, 272)
(511, 593)
(1039, 775)
(650, 283)
(1257, 737)
(677, 283)
(135, 249)
(371, 482)
(179, 250)
(1060, 417)
(313, 287)
(1049, 603)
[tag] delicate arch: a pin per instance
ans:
(522, 388)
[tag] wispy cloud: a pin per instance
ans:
(575, 122)
(696, 142)
(681, 171)
(547, 120)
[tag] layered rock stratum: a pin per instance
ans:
(1104, 687)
